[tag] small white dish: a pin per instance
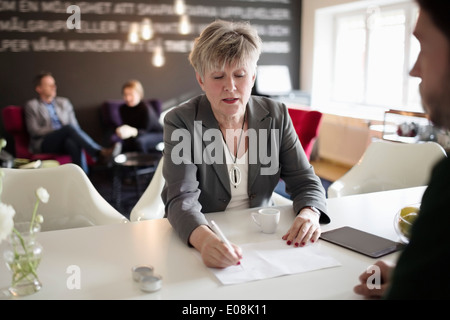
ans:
(141, 271)
(150, 283)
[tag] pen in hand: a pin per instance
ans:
(220, 234)
(222, 237)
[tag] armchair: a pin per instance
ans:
(14, 123)
(111, 117)
(387, 165)
(74, 201)
(307, 125)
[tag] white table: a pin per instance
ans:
(106, 254)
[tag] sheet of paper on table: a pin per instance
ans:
(271, 259)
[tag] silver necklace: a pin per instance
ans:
(235, 173)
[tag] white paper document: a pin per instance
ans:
(271, 259)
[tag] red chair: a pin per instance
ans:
(307, 125)
(14, 124)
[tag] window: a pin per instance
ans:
(273, 80)
(365, 63)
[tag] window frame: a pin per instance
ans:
(324, 64)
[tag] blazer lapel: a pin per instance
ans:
(43, 112)
(206, 116)
(258, 118)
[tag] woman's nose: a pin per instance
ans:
(229, 84)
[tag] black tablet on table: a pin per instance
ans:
(360, 241)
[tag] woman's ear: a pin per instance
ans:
(199, 80)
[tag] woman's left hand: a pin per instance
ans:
(125, 132)
(305, 228)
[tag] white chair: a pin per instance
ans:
(74, 201)
(279, 200)
(389, 165)
(151, 206)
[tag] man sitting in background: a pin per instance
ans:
(53, 127)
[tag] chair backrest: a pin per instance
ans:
(14, 123)
(74, 201)
(389, 165)
(150, 205)
(307, 125)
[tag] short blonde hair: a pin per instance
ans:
(222, 43)
(136, 85)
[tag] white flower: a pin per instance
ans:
(7, 213)
(42, 195)
(39, 219)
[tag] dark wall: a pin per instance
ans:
(91, 64)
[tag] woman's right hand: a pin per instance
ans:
(214, 252)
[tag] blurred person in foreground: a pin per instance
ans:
(227, 150)
(54, 128)
(422, 270)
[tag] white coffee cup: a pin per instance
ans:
(267, 219)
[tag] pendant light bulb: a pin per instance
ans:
(133, 33)
(146, 29)
(158, 58)
(180, 7)
(185, 25)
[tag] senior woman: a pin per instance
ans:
(226, 149)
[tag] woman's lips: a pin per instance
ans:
(230, 100)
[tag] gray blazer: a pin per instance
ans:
(200, 185)
(38, 119)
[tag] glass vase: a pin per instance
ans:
(22, 258)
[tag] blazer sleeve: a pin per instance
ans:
(181, 191)
(37, 124)
(302, 184)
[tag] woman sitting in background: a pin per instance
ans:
(140, 130)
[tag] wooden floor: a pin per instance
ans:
(329, 170)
